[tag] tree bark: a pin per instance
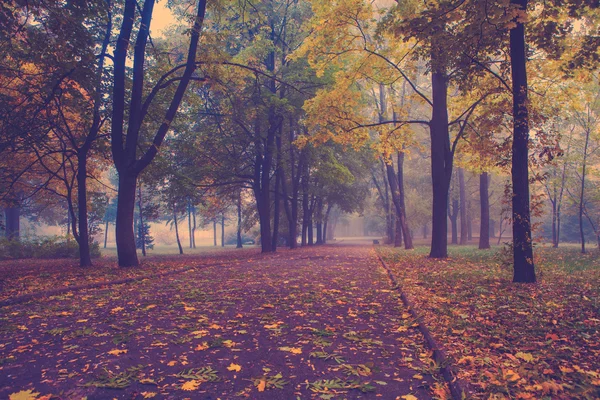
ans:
(484, 199)
(222, 230)
(13, 222)
(464, 229)
(189, 213)
(177, 230)
(453, 214)
(105, 232)
(141, 228)
(582, 193)
(441, 161)
(124, 147)
(215, 232)
(239, 243)
(125, 237)
(524, 269)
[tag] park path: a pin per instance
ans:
(320, 322)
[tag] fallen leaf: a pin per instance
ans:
(191, 385)
(234, 367)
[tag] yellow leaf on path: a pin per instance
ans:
(186, 308)
(293, 350)
(402, 329)
(82, 321)
(215, 326)
(24, 395)
(191, 385)
(524, 356)
(116, 309)
(116, 352)
(149, 395)
(171, 363)
(262, 385)
(418, 376)
(511, 376)
(202, 346)
(234, 367)
(409, 397)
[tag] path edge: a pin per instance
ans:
(66, 289)
(457, 387)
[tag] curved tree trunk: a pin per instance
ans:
(177, 230)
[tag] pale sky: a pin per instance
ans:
(162, 17)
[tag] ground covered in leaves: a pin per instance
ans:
(309, 323)
(22, 277)
(510, 340)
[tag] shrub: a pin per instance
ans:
(45, 248)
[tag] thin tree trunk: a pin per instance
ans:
(105, 232)
(215, 232)
(177, 230)
(454, 220)
(582, 193)
(484, 199)
(464, 229)
(524, 269)
(407, 237)
(85, 258)
(142, 228)
(189, 213)
(222, 230)
(194, 226)
(239, 244)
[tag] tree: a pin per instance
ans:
(124, 145)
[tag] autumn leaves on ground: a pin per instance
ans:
(322, 322)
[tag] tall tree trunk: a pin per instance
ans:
(125, 237)
(177, 230)
(464, 229)
(470, 222)
(222, 231)
(105, 232)
(276, 207)
(13, 222)
(553, 201)
(441, 160)
(142, 228)
(524, 270)
(305, 206)
(85, 258)
(326, 223)
(189, 213)
(582, 193)
(194, 226)
(484, 199)
(407, 237)
(239, 243)
(425, 231)
(319, 222)
(215, 232)
(398, 233)
(454, 220)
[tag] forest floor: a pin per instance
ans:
(319, 322)
(510, 340)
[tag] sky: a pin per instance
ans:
(162, 17)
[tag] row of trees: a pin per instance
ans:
(303, 105)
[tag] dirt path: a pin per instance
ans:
(310, 323)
